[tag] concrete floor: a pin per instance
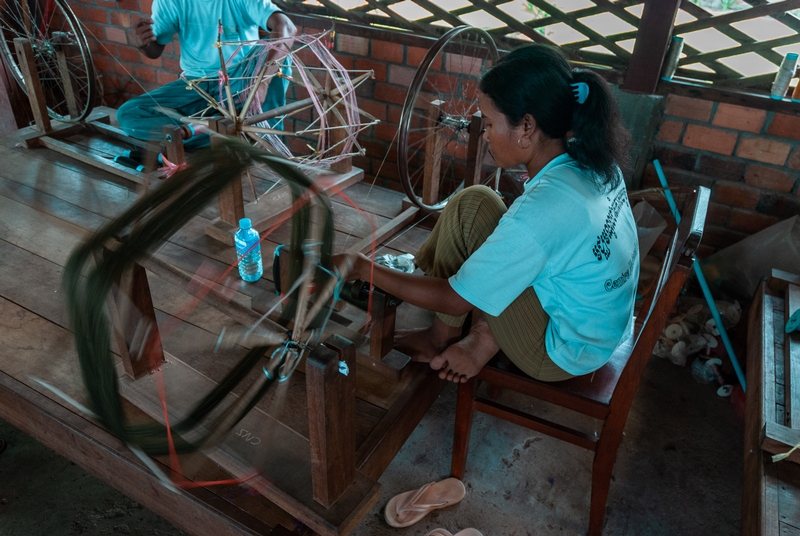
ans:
(678, 471)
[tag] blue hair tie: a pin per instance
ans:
(581, 91)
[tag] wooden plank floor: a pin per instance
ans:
(49, 204)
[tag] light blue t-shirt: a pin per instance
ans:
(577, 248)
(197, 24)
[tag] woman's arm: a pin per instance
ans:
(432, 293)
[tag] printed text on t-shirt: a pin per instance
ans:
(601, 248)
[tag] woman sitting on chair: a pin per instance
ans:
(552, 280)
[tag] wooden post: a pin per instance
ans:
(433, 157)
(133, 317)
(231, 199)
(652, 42)
(475, 151)
(61, 41)
(27, 63)
(173, 140)
(791, 366)
(331, 418)
(384, 312)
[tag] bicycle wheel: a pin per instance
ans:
(437, 114)
(56, 37)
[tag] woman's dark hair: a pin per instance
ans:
(536, 80)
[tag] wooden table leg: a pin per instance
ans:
(133, 317)
(331, 386)
(384, 313)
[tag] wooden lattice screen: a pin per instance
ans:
(730, 43)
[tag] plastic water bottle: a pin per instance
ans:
(250, 266)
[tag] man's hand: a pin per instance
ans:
(146, 39)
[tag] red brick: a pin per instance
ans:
(675, 157)
(387, 51)
(415, 56)
(794, 159)
(102, 63)
(126, 53)
(117, 35)
(376, 109)
(145, 74)
(390, 94)
(670, 131)
(750, 222)
(386, 132)
(352, 44)
(96, 15)
(769, 178)
(785, 126)
(394, 114)
(763, 150)
(379, 69)
(146, 6)
(721, 167)
(689, 108)
(718, 214)
(402, 76)
(171, 64)
(94, 30)
(737, 195)
(120, 19)
(709, 139)
(129, 5)
(739, 117)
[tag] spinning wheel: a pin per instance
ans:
(324, 113)
(61, 54)
(157, 216)
(440, 146)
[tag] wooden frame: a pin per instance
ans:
(53, 137)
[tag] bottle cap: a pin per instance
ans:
(245, 223)
(791, 56)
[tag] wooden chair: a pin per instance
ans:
(608, 393)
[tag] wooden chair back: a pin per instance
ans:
(608, 393)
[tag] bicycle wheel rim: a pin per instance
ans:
(38, 21)
(475, 50)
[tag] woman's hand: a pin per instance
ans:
(351, 265)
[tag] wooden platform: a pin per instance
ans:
(771, 493)
(48, 204)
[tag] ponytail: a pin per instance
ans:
(599, 141)
(537, 80)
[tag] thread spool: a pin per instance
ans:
(673, 57)
(784, 76)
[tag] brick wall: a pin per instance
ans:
(749, 158)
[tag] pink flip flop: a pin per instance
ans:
(407, 508)
(465, 532)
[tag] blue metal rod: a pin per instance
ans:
(702, 280)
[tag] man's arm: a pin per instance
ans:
(280, 27)
(146, 39)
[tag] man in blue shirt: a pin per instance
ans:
(198, 25)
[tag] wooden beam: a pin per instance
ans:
(27, 64)
(107, 458)
(652, 42)
(231, 199)
(791, 363)
(14, 110)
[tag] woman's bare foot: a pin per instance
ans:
(465, 359)
(423, 344)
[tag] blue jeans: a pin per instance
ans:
(140, 117)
